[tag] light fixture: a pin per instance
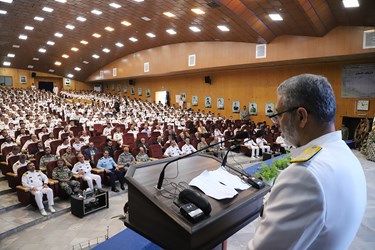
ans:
(85, 62)
(6, 63)
(194, 29)
(70, 75)
(118, 44)
(38, 18)
(138, 1)
(96, 35)
(47, 9)
(61, 1)
(115, 5)
(51, 70)
(74, 49)
(3, 12)
(23, 37)
(108, 28)
(30, 66)
(145, 18)
(84, 42)
(58, 34)
(171, 31)
(42, 50)
(65, 56)
(57, 63)
(35, 59)
(6, 1)
(133, 39)
(95, 56)
(223, 28)
(169, 14)
(51, 43)
(27, 27)
(275, 17)
(198, 11)
(81, 19)
(77, 69)
(69, 26)
(106, 50)
(16, 46)
(350, 3)
(11, 55)
(152, 35)
(126, 23)
(96, 12)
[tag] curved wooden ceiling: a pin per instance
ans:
(247, 21)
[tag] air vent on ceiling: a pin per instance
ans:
(213, 4)
(260, 51)
(369, 39)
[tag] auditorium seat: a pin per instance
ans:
(156, 151)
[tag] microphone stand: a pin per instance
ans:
(161, 177)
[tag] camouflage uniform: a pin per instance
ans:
(68, 159)
(63, 173)
(126, 159)
(45, 159)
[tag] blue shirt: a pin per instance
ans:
(106, 163)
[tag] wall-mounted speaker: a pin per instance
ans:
(207, 79)
(131, 81)
(33, 74)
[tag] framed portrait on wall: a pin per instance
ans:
(125, 88)
(236, 106)
(270, 108)
(132, 90)
(253, 108)
(207, 102)
(220, 103)
(194, 100)
(23, 79)
(112, 86)
(148, 93)
(118, 87)
(139, 91)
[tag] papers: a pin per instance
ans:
(219, 184)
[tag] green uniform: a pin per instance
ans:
(45, 159)
(62, 174)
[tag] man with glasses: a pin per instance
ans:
(318, 202)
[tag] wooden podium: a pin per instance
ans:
(156, 218)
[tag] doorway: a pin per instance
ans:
(47, 86)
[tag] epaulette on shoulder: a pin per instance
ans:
(39, 171)
(307, 154)
(26, 173)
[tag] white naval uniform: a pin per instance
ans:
(262, 143)
(87, 176)
(36, 180)
(187, 149)
(172, 151)
(254, 148)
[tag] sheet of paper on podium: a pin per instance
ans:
(219, 184)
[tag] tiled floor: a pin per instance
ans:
(69, 232)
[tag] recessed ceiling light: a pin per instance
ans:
(81, 19)
(6, 63)
(275, 17)
(96, 35)
(57, 63)
(42, 50)
(29, 27)
(70, 75)
(171, 31)
(152, 35)
(58, 34)
(85, 62)
(16, 46)
(69, 26)
(115, 5)
(6, 1)
(23, 37)
(47, 9)
(138, 1)
(61, 1)
(51, 43)
(51, 70)
(65, 56)
(223, 28)
(169, 14)
(84, 42)
(126, 23)
(74, 49)
(108, 28)
(350, 3)
(30, 66)
(119, 44)
(3, 12)
(96, 12)
(145, 18)
(198, 11)
(11, 55)
(106, 50)
(38, 18)
(35, 59)
(95, 56)
(133, 39)
(194, 29)
(77, 69)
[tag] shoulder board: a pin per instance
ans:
(39, 171)
(26, 173)
(307, 154)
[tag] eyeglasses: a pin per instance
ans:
(275, 117)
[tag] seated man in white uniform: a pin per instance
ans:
(172, 150)
(83, 169)
(254, 148)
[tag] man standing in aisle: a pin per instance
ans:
(312, 205)
(38, 184)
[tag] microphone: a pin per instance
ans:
(239, 135)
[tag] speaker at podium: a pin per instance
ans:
(153, 213)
